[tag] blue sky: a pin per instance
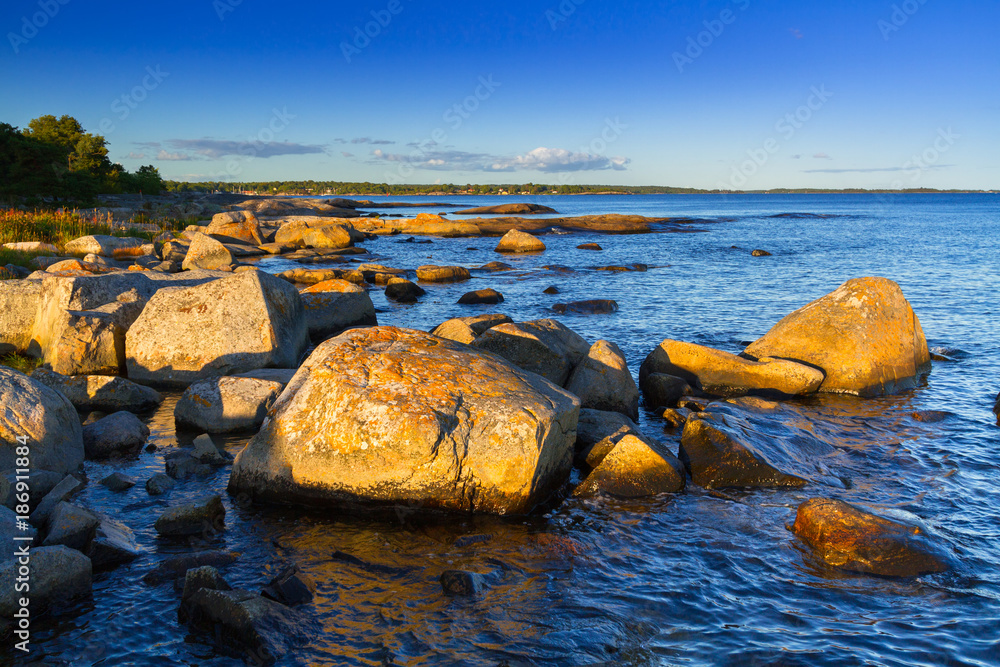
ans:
(740, 94)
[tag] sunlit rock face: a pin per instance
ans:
(864, 336)
(386, 416)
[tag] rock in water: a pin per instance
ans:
(45, 418)
(850, 538)
(57, 575)
(518, 241)
(724, 374)
(590, 307)
(403, 290)
(239, 226)
(118, 434)
(864, 336)
(248, 321)
(335, 305)
(100, 392)
(488, 296)
(389, 416)
(603, 382)
(226, 404)
(634, 469)
(205, 517)
(546, 347)
(996, 409)
(442, 274)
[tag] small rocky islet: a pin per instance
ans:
(481, 415)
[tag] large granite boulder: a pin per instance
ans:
(389, 416)
(86, 343)
(249, 320)
(236, 226)
(207, 253)
(851, 538)
(724, 374)
(546, 347)
(335, 305)
(518, 241)
(603, 381)
(864, 336)
(317, 233)
(120, 434)
(226, 404)
(18, 306)
(45, 418)
(100, 392)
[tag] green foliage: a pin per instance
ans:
(20, 363)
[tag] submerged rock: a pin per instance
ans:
(850, 538)
(462, 583)
(402, 290)
(226, 404)
(159, 484)
(388, 416)
(291, 587)
(430, 273)
(603, 381)
(517, 241)
(545, 347)
(760, 253)
(205, 517)
(591, 307)
(996, 409)
(864, 336)
(118, 482)
(42, 417)
(488, 296)
(724, 374)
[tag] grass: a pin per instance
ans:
(20, 363)
(60, 226)
(18, 257)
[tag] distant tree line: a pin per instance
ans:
(55, 158)
(366, 188)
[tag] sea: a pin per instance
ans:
(697, 578)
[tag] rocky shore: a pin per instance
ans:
(481, 415)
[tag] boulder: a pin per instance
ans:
(291, 587)
(177, 566)
(603, 382)
(462, 583)
(589, 246)
(71, 526)
(633, 468)
(31, 246)
(312, 276)
(663, 390)
(247, 321)
(60, 492)
(226, 404)
(101, 245)
(14, 535)
(181, 465)
(335, 305)
(198, 578)
(18, 305)
(467, 329)
(389, 416)
(488, 296)
(851, 538)
(44, 418)
(760, 253)
(206, 451)
(159, 484)
(113, 544)
(430, 273)
(597, 425)
(724, 374)
(402, 290)
(238, 226)
(85, 343)
(100, 392)
(40, 483)
(280, 375)
(545, 347)
(591, 307)
(864, 336)
(316, 234)
(517, 241)
(207, 253)
(206, 516)
(996, 409)
(118, 482)
(121, 434)
(58, 575)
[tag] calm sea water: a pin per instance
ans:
(700, 578)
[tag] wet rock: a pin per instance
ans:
(58, 575)
(603, 382)
(517, 452)
(430, 273)
(663, 390)
(248, 625)
(591, 307)
(589, 246)
(462, 583)
(760, 253)
(60, 492)
(402, 290)
(864, 336)
(469, 540)
(335, 305)
(206, 451)
(236, 226)
(18, 305)
(487, 296)
(119, 434)
(930, 416)
(559, 268)
(633, 468)
(40, 482)
(176, 567)
(996, 409)
(517, 241)
(496, 266)
(597, 425)
(292, 587)
(44, 417)
(545, 347)
(226, 404)
(853, 539)
(552, 289)
(675, 418)
(638, 267)
(118, 482)
(181, 465)
(207, 253)
(100, 392)
(204, 517)
(71, 526)
(196, 579)
(247, 321)
(723, 374)
(113, 544)
(159, 484)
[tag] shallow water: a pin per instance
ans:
(711, 578)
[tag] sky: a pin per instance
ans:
(734, 94)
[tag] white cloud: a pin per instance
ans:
(559, 159)
(164, 155)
